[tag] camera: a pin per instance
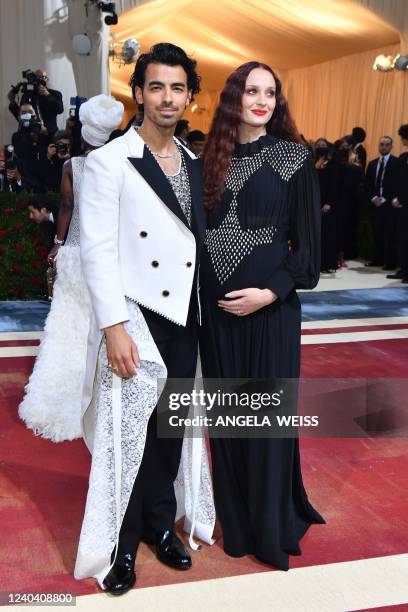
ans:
(27, 86)
(75, 102)
(10, 162)
(28, 123)
(108, 7)
(61, 148)
(32, 79)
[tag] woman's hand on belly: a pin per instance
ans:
(247, 301)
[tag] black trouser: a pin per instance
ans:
(379, 221)
(384, 224)
(152, 504)
(391, 237)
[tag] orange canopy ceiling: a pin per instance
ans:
(222, 34)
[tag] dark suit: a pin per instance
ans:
(403, 212)
(48, 229)
(384, 218)
(152, 504)
(29, 147)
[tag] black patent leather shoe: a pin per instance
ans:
(170, 550)
(122, 576)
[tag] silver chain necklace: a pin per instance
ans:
(160, 155)
(163, 155)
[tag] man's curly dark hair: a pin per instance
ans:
(171, 55)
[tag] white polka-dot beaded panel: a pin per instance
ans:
(228, 244)
(284, 157)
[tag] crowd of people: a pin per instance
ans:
(351, 191)
(33, 160)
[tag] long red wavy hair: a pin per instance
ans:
(224, 129)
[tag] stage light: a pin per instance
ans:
(384, 63)
(123, 52)
(401, 62)
(130, 51)
(107, 7)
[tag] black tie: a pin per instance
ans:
(378, 180)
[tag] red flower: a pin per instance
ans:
(2, 232)
(42, 251)
(16, 268)
(36, 239)
(19, 248)
(21, 205)
(36, 280)
(16, 290)
(8, 212)
(18, 226)
(2, 251)
(37, 263)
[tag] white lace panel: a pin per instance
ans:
(78, 164)
(119, 439)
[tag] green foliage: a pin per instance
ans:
(23, 249)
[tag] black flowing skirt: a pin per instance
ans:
(260, 499)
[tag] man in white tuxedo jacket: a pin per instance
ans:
(142, 227)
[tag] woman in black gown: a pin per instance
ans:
(262, 243)
(328, 181)
(348, 195)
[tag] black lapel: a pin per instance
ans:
(148, 167)
(195, 177)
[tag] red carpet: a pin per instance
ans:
(359, 485)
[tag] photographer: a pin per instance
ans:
(10, 176)
(31, 139)
(46, 102)
(49, 171)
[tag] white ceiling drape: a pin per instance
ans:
(393, 11)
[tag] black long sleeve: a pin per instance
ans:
(53, 103)
(301, 268)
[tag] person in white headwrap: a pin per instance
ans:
(52, 403)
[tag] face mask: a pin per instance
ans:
(321, 151)
(25, 119)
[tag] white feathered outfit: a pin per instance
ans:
(125, 225)
(52, 405)
(53, 396)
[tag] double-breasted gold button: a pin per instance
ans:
(143, 234)
(165, 293)
(155, 264)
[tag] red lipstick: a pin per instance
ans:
(259, 112)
